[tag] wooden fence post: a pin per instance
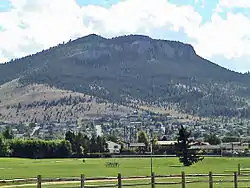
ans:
(82, 181)
(210, 180)
(153, 180)
(119, 177)
(39, 181)
(238, 169)
(183, 179)
(235, 180)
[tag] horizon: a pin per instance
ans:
(219, 30)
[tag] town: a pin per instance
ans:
(233, 135)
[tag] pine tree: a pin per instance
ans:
(7, 133)
(3, 147)
(186, 155)
(143, 138)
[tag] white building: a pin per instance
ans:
(113, 147)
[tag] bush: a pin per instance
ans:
(36, 149)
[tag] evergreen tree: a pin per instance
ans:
(143, 138)
(186, 155)
(212, 139)
(112, 138)
(99, 144)
(7, 133)
(3, 147)
(93, 147)
(79, 144)
(86, 144)
(76, 142)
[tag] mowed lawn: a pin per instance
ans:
(11, 168)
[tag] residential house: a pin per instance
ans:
(165, 147)
(223, 148)
(113, 147)
(140, 147)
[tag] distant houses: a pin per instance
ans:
(168, 147)
(113, 147)
(230, 148)
(166, 143)
(136, 145)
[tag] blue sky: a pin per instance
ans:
(5, 5)
(219, 30)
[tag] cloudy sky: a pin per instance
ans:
(219, 30)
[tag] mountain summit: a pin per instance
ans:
(136, 69)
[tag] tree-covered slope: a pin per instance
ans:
(134, 67)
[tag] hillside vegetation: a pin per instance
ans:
(132, 71)
(41, 103)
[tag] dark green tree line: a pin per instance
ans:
(82, 144)
(74, 145)
(39, 148)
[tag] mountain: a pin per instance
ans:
(42, 103)
(135, 70)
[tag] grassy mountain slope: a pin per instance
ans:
(38, 102)
(132, 68)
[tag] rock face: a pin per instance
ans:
(136, 68)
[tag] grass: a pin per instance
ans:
(24, 168)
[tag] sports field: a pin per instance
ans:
(54, 168)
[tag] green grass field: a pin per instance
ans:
(54, 168)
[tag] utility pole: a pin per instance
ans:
(124, 134)
(220, 150)
(151, 159)
(130, 134)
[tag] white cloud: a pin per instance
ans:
(3, 60)
(32, 25)
(35, 24)
(234, 3)
(132, 15)
(227, 37)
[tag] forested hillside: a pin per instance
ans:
(136, 69)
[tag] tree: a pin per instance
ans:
(164, 138)
(155, 145)
(86, 144)
(230, 139)
(32, 125)
(37, 148)
(3, 147)
(112, 138)
(79, 144)
(104, 145)
(65, 148)
(186, 155)
(143, 138)
(76, 142)
(212, 139)
(93, 148)
(19, 106)
(7, 133)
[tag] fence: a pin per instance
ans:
(154, 180)
(242, 170)
(210, 179)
